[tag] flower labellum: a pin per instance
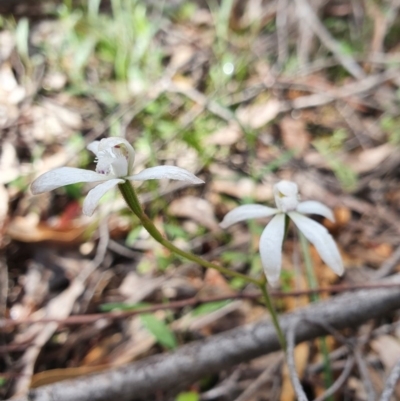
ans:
(114, 165)
(287, 203)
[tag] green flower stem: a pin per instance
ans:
(132, 201)
(274, 314)
(313, 284)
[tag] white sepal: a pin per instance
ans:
(95, 194)
(246, 212)
(319, 236)
(170, 172)
(64, 176)
(286, 196)
(314, 207)
(271, 247)
(93, 147)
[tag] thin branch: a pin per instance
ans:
(290, 340)
(193, 361)
(262, 378)
(391, 382)
(340, 380)
(363, 371)
(282, 32)
(307, 14)
(195, 301)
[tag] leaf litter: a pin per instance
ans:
(202, 90)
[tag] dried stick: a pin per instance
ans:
(364, 374)
(282, 32)
(340, 380)
(262, 379)
(192, 361)
(307, 13)
(391, 382)
(74, 320)
(290, 340)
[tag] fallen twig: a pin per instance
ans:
(294, 378)
(391, 382)
(194, 301)
(192, 361)
(307, 13)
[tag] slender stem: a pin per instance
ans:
(313, 284)
(274, 315)
(132, 201)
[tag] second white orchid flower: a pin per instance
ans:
(287, 203)
(114, 157)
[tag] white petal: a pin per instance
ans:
(319, 236)
(94, 195)
(113, 142)
(171, 172)
(314, 207)
(64, 176)
(93, 147)
(286, 195)
(271, 247)
(246, 212)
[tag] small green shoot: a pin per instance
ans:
(329, 148)
(188, 396)
(162, 333)
(209, 307)
(121, 306)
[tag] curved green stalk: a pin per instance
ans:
(313, 284)
(132, 201)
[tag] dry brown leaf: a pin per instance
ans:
(136, 288)
(139, 342)
(10, 92)
(370, 159)
(99, 352)
(3, 204)
(9, 165)
(57, 375)
(202, 322)
(242, 188)
(294, 135)
(197, 209)
(27, 229)
(257, 115)
(301, 355)
(7, 44)
(215, 284)
(388, 349)
(226, 136)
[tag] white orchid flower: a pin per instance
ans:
(114, 157)
(287, 203)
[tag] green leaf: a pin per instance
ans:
(111, 306)
(189, 396)
(209, 307)
(159, 330)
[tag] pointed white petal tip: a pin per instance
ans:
(319, 236)
(93, 147)
(170, 172)
(246, 212)
(93, 197)
(314, 207)
(64, 176)
(273, 281)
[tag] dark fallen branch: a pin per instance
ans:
(191, 362)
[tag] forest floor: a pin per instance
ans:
(242, 94)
